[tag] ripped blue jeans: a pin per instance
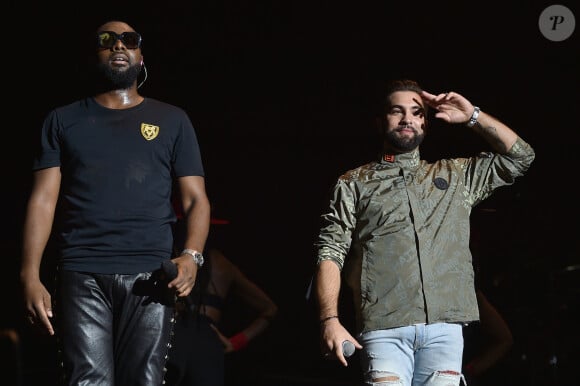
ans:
(417, 355)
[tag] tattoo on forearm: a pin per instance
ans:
(490, 134)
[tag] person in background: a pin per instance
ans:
(197, 355)
(489, 340)
(397, 231)
(103, 174)
(11, 364)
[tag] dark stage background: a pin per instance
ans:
(281, 95)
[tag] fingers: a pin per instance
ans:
(41, 318)
(185, 279)
(38, 306)
(427, 96)
(434, 100)
(46, 323)
(183, 292)
(444, 97)
(338, 352)
(183, 286)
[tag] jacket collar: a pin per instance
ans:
(403, 160)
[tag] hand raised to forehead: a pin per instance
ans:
(451, 106)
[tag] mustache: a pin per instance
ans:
(405, 127)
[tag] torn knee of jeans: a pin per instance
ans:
(383, 377)
(443, 377)
(449, 372)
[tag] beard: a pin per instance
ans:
(402, 145)
(109, 78)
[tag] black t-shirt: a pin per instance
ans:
(117, 166)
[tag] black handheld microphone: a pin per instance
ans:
(347, 348)
(169, 269)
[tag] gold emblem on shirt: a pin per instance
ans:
(149, 132)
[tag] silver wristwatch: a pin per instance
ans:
(195, 255)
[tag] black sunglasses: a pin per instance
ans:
(107, 39)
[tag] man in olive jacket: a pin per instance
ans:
(397, 231)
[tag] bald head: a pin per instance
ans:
(115, 25)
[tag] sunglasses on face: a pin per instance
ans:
(107, 39)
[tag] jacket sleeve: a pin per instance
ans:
(337, 226)
(489, 171)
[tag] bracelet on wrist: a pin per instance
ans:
(473, 120)
(324, 320)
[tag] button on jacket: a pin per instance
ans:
(398, 229)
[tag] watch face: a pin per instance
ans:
(198, 258)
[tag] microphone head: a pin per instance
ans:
(169, 268)
(347, 348)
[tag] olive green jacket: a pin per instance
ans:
(399, 231)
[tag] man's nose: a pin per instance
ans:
(407, 118)
(119, 45)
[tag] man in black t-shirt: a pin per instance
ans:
(103, 177)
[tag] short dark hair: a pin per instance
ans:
(403, 85)
(385, 103)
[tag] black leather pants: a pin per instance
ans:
(113, 330)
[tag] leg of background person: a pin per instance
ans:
(197, 354)
(11, 360)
